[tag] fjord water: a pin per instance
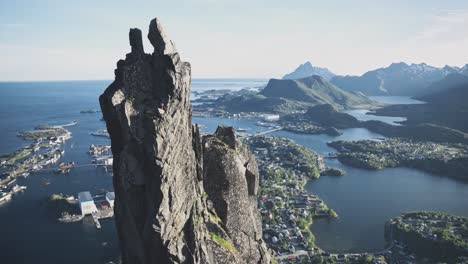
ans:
(363, 199)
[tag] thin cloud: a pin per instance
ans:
(448, 27)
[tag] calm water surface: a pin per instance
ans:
(361, 115)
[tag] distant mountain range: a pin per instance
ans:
(285, 96)
(397, 79)
(306, 70)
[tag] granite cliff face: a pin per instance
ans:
(179, 199)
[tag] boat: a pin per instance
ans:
(240, 129)
(24, 175)
(17, 188)
(63, 171)
(45, 182)
(101, 133)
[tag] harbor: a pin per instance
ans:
(69, 209)
(45, 151)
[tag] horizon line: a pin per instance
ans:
(96, 80)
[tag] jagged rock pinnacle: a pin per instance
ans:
(161, 167)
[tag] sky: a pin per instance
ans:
(83, 40)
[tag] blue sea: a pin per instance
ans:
(363, 199)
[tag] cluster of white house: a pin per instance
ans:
(270, 118)
(87, 204)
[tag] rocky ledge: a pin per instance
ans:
(179, 198)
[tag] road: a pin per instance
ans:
(268, 131)
(294, 255)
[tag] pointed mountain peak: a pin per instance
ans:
(306, 64)
(307, 69)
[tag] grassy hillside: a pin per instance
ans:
(287, 96)
(326, 115)
(314, 90)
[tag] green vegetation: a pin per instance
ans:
(440, 158)
(420, 132)
(333, 172)
(328, 116)
(438, 236)
(304, 224)
(286, 96)
(320, 119)
(16, 156)
(295, 159)
(314, 90)
(332, 213)
(222, 242)
(60, 205)
(43, 132)
(287, 209)
(215, 217)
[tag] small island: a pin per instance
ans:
(333, 172)
(319, 119)
(64, 208)
(41, 132)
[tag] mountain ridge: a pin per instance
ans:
(400, 79)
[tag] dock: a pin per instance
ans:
(102, 214)
(98, 206)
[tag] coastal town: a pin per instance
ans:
(42, 154)
(46, 150)
(287, 209)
